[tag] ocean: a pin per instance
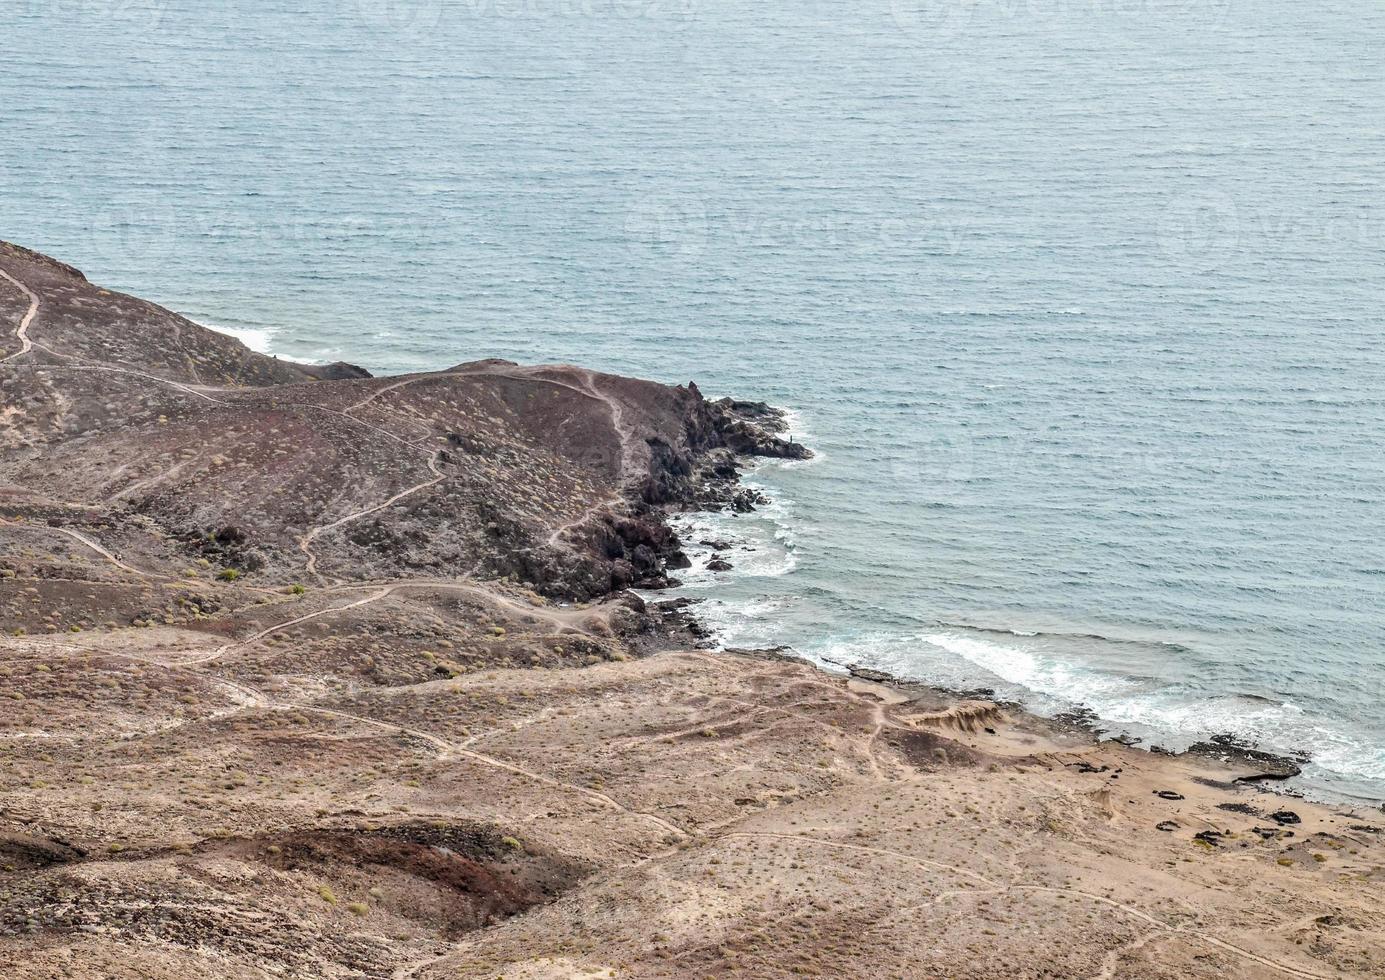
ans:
(1081, 301)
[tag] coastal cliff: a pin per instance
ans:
(315, 674)
(188, 446)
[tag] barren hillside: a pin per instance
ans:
(313, 674)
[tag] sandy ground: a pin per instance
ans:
(688, 814)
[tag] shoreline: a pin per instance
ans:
(319, 674)
(1283, 768)
(782, 422)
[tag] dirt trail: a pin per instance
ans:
(974, 883)
(107, 369)
(446, 749)
(22, 332)
(305, 542)
(225, 647)
(149, 481)
(83, 540)
(106, 553)
(391, 387)
(450, 750)
(569, 618)
(561, 617)
(588, 388)
(625, 434)
(78, 536)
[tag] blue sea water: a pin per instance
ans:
(1081, 300)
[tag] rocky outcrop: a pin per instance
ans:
(336, 371)
(753, 429)
(703, 471)
(1259, 766)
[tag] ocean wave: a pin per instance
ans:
(258, 339)
(1059, 634)
(1145, 686)
(1029, 669)
(799, 431)
(269, 340)
(761, 546)
(1170, 714)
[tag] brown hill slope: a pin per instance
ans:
(124, 410)
(375, 753)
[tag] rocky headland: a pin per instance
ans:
(314, 674)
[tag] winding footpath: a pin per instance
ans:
(27, 345)
(569, 618)
(22, 333)
(305, 542)
(624, 433)
(81, 539)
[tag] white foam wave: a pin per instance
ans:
(262, 340)
(759, 547)
(1168, 713)
(258, 339)
(1020, 663)
(1026, 668)
(799, 432)
(895, 653)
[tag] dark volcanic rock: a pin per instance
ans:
(1232, 751)
(750, 429)
(336, 371)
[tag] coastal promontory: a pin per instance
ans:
(314, 674)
